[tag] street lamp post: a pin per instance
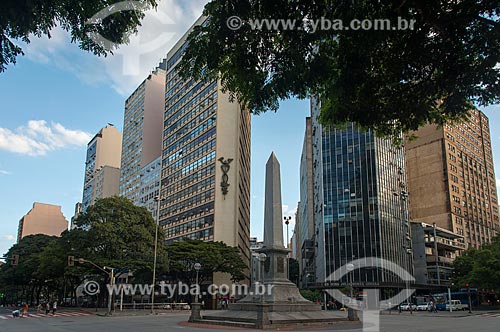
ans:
(196, 306)
(111, 282)
(409, 252)
(449, 298)
(287, 222)
(158, 201)
(350, 310)
(197, 268)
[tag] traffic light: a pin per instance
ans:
(15, 259)
(2, 295)
(71, 260)
(467, 285)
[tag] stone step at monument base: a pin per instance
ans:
(276, 307)
(276, 319)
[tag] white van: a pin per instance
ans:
(456, 305)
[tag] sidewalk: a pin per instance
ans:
(132, 312)
(453, 314)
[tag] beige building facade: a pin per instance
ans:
(102, 166)
(42, 219)
(451, 179)
(142, 141)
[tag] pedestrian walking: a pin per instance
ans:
(39, 308)
(54, 308)
(25, 310)
(47, 308)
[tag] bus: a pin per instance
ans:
(442, 299)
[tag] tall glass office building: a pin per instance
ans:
(360, 202)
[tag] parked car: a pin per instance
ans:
(407, 306)
(424, 307)
(457, 305)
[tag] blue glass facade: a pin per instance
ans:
(361, 209)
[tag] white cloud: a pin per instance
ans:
(9, 237)
(4, 172)
(130, 64)
(38, 138)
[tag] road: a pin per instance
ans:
(72, 322)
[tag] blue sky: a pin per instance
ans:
(57, 97)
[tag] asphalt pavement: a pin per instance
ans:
(71, 321)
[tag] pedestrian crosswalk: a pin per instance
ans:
(490, 315)
(59, 314)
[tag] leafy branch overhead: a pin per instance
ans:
(390, 81)
(21, 20)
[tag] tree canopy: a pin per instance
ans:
(391, 81)
(121, 235)
(480, 267)
(20, 20)
(213, 257)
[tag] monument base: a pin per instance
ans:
(263, 318)
(284, 307)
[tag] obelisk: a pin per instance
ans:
(284, 292)
(276, 264)
(273, 226)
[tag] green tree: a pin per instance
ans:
(23, 19)
(213, 257)
(25, 280)
(54, 263)
(311, 295)
(479, 267)
(121, 235)
(389, 81)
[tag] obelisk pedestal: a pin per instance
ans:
(281, 305)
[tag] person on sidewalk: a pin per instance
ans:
(16, 313)
(54, 308)
(39, 308)
(47, 308)
(25, 310)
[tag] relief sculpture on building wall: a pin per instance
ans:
(224, 184)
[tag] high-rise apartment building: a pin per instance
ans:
(305, 213)
(142, 141)
(451, 179)
(42, 219)
(78, 211)
(360, 205)
(205, 181)
(102, 166)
